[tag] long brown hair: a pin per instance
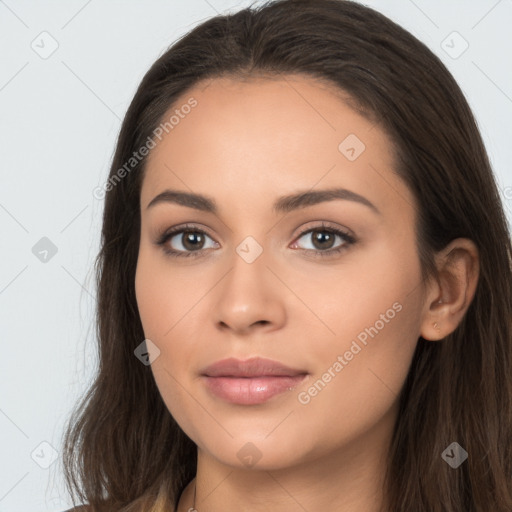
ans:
(124, 451)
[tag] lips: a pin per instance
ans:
(250, 382)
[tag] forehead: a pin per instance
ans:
(269, 135)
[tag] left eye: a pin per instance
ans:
(323, 239)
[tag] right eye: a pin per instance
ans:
(185, 241)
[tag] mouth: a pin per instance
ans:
(250, 382)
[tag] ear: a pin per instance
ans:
(448, 298)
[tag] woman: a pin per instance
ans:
(304, 280)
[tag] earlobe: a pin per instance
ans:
(457, 277)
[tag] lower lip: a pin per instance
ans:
(250, 390)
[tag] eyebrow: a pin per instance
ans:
(284, 204)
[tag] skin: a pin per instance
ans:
(244, 145)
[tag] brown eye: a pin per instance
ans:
(323, 239)
(185, 241)
(192, 240)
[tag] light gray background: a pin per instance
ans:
(59, 119)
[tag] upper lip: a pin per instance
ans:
(254, 367)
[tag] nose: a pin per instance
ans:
(249, 298)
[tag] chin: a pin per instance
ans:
(257, 451)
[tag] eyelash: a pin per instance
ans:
(167, 235)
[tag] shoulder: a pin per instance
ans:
(81, 508)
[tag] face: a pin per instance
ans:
(267, 264)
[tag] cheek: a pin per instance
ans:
(357, 393)
(371, 293)
(161, 300)
(358, 375)
(370, 317)
(361, 369)
(163, 306)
